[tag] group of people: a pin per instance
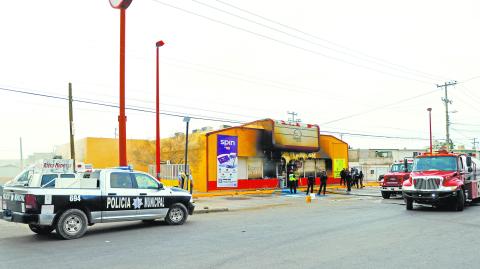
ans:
(293, 183)
(351, 178)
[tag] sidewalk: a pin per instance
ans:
(223, 201)
(330, 188)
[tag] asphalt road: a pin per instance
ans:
(335, 232)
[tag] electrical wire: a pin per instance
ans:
(290, 44)
(326, 40)
(301, 38)
(193, 116)
(378, 108)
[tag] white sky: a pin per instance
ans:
(215, 70)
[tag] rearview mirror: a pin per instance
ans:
(160, 186)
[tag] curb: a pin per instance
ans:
(355, 194)
(231, 193)
(213, 210)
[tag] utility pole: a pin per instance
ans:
(293, 117)
(21, 154)
(475, 143)
(447, 101)
(70, 115)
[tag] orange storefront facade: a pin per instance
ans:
(266, 148)
(256, 155)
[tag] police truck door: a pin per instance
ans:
(153, 197)
(121, 198)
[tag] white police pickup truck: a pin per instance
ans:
(69, 205)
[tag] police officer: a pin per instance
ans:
(323, 182)
(361, 178)
(181, 179)
(292, 179)
(342, 177)
(348, 179)
(311, 182)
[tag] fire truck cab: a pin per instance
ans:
(393, 180)
(442, 179)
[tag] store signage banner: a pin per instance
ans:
(227, 161)
(295, 136)
(338, 165)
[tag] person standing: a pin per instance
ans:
(311, 182)
(361, 178)
(342, 177)
(348, 179)
(181, 179)
(293, 183)
(356, 178)
(323, 183)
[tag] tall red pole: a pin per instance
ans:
(430, 122)
(122, 119)
(158, 45)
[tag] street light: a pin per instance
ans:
(122, 119)
(158, 45)
(430, 122)
(187, 121)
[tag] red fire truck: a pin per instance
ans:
(442, 179)
(393, 180)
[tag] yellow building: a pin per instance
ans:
(256, 155)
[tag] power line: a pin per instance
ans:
(364, 58)
(378, 108)
(469, 79)
(290, 44)
(182, 115)
(99, 103)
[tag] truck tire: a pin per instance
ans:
(72, 224)
(177, 214)
(460, 205)
(409, 204)
(41, 229)
(385, 195)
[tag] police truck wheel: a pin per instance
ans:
(385, 195)
(409, 204)
(72, 224)
(177, 214)
(41, 229)
(460, 201)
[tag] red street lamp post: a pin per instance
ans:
(158, 45)
(122, 119)
(430, 122)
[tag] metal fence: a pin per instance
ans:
(168, 171)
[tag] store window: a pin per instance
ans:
(269, 169)
(242, 168)
(383, 154)
(255, 168)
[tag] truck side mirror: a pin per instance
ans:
(405, 165)
(470, 169)
(469, 161)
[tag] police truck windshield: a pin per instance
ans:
(444, 163)
(399, 167)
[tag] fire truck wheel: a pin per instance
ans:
(460, 201)
(385, 195)
(409, 204)
(41, 229)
